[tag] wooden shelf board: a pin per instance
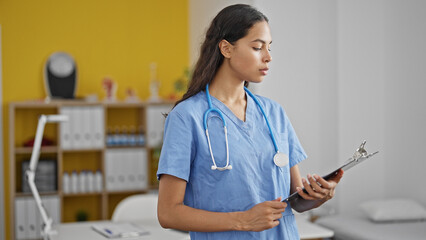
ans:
(66, 195)
(128, 192)
(27, 150)
(21, 194)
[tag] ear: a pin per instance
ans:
(225, 48)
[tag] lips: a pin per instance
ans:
(264, 71)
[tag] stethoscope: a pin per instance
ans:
(280, 159)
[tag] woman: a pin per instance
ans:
(230, 186)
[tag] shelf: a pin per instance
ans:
(142, 116)
(20, 194)
(29, 150)
(58, 103)
(126, 146)
(135, 104)
(55, 149)
(83, 150)
(81, 194)
(128, 192)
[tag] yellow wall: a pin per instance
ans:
(117, 38)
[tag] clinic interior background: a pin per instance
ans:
(344, 71)
(107, 38)
(347, 71)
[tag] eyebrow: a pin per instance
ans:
(260, 40)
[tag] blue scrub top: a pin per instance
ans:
(254, 177)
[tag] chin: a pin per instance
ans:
(257, 80)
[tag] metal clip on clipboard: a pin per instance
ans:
(359, 156)
(300, 204)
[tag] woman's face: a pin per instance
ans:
(250, 55)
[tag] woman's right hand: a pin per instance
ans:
(264, 215)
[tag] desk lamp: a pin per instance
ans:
(46, 231)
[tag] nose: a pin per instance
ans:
(267, 57)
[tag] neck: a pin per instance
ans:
(227, 88)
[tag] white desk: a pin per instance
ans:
(308, 230)
(72, 231)
(83, 231)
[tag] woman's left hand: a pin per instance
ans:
(318, 188)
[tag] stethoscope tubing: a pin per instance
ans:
(264, 115)
(212, 109)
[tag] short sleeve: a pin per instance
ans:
(177, 150)
(296, 152)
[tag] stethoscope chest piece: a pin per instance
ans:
(280, 159)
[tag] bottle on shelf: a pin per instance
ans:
(98, 181)
(82, 181)
(66, 182)
(132, 136)
(117, 136)
(141, 136)
(90, 187)
(124, 136)
(110, 137)
(74, 182)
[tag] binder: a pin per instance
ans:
(66, 129)
(109, 170)
(39, 218)
(86, 130)
(119, 169)
(127, 169)
(155, 124)
(21, 223)
(78, 127)
(73, 119)
(131, 169)
(141, 169)
(98, 126)
(53, 208)
(32, 215)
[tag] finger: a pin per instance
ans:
(322, 181)
(276, 204)
(275, 223)
(303, 194)
(309, 189)
(336, 178)
(317, 187)
(277, 216)
(330, 195)
(284, 204)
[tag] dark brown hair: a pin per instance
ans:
(230, 24)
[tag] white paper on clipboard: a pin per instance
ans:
(300, 204)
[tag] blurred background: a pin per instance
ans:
(344, 71)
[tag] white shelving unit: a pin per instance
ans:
(80, 144)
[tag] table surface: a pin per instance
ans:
(309, 230)
(83, 230)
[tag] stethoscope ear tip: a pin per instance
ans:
(213, 167)
(229, 167)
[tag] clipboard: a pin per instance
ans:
(300, 204)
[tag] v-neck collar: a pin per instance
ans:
(247, 125)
